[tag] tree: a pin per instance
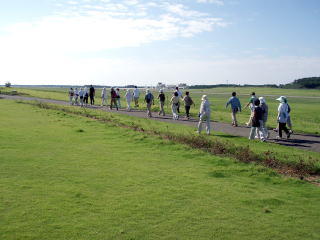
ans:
(8, 84)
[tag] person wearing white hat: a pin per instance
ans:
(204, 114)
(282, 117)
(149, 99)
(103, 96)
(264, 107)
(162, 99)
(128, 97)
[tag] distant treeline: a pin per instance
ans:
(309, 83)
(231, 85)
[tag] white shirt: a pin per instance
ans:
(136, 92)
(104, 93)
(205, 107)
(283, 112)
(128, 96)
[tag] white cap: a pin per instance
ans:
(281, 99)
(204, 97)
(262, 100)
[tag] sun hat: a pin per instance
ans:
(281, 99)
(204, 97)
(262, 100)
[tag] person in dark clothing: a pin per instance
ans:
(113, 95)
(256, 121)
(92, 93)
(162, 99)
(187, 104)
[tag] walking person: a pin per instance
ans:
(136, 94)
(235, 108)
(250, 104)
(174, 105)
(92, 93)
(282, 117)
(180, 96)
(265, 112)
(118, 97)
(149, 99)
(103, 96)
(113, 97)
(162, 99)
(256, 121)
(204, 114)
(81, 95)
(76, 96)
(187, 104)
(71, 92)
(289, 122)
(86, 96)
(128, 97)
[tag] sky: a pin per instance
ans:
(139, 42)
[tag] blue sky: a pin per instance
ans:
(118, 42)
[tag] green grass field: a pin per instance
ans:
(305, 111)
(64, 176)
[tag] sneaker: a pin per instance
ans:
(275, 129)
(288, 136)
(290, 131)
(278, 137)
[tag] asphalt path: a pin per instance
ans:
(298, 140)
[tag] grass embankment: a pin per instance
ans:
(68, 177)
(305, 111)
(284, 160)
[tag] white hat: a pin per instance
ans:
(147, 90)
(262, 100)
(161, 91)
(281, 99)
(204, 97)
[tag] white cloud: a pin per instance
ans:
(217, 2)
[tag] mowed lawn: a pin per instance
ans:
(69, 177)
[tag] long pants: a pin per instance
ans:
(149, 109)
(234, 116)
(75, 99)
(174, 108)
(91, 100)
(136, 101)
(113, 101)
(178, 107)
(202, 118)
(85, 100)
(250, 119)
(282, 126)
(264, 129)
(81, 101)
(70, 100)
(162, 108)
(129, 105)
(103, 101)
(255, 130)
(118, 102)
(187, 108)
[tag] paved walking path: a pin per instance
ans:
(302, 141)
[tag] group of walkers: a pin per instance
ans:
(258, 108)
(259, 116)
